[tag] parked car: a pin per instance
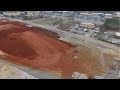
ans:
(106, 37)
(109, 40)
(115, 42)
(75, 31)
(105, 32)
(96, 31)
(85, 30)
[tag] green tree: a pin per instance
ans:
(112, 23)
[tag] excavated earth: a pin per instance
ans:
(39, 48)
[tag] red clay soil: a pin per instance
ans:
(30, 47)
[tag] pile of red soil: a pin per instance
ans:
(29, 46)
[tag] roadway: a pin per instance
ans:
(71, 37)
(89, 21)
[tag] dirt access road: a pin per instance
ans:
(111, 52)
(71, 37)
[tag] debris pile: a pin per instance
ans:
(77, 75)
(114, 66)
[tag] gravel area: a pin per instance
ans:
(40, 74)
(73, 38)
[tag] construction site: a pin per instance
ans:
(42, 53)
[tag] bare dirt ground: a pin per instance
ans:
(86, 56)
(28, 46)
(110, 52)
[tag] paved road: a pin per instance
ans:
(95, 22)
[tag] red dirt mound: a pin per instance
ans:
(28, 46)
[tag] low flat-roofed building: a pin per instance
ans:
(116, 15)
(12, 13)
(108, 15)
(87, 25)
(118, 34)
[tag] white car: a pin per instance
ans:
(28, 25)
(105, 32)
(96, 31)
(114, 42)
(85, 30)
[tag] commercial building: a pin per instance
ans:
(116, 15)
(87, 25)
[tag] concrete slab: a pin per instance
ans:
(10, 72)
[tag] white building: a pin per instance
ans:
(118, 34)
(116, 15)
(87, 25)
(84, 13)
(108, 15)
(12, 13)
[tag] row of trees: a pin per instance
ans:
(111, 24)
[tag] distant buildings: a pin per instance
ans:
(108, 15)
(29, 15)
(87, 25)
(67, 15)
(12, 13)
(117, 34)
(116, 15)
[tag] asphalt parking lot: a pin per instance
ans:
(82, 31)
